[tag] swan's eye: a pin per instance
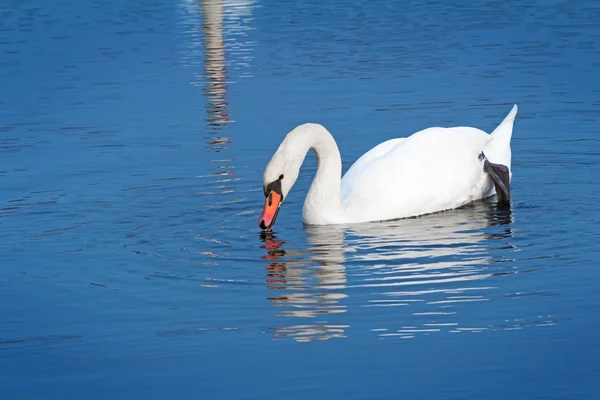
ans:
(281, 177)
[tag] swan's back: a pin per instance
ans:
(432, 170)
(376, 153)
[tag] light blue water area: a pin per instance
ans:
(133, 137)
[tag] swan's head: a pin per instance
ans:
(281, 174)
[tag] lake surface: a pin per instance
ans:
(133, 137)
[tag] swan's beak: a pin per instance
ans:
(269, 214)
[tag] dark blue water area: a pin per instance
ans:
(133, 138)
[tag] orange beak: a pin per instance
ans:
(269, 214)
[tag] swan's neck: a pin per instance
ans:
(323, 203)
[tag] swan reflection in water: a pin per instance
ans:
(308, 288)
(436, 260)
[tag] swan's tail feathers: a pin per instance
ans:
(504, 130)
(500, 175)
(497, 149)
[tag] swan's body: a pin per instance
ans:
(432, 170)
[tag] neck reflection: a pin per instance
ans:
(311, 290)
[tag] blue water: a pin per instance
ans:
(133, 136)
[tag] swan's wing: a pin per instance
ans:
(434, 169)
(364, 161)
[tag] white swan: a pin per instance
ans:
(432, 170)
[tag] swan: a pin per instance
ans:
(432, 170)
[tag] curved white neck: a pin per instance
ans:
(323, 203)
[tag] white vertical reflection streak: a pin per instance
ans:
(221, 29)
(215, 41)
